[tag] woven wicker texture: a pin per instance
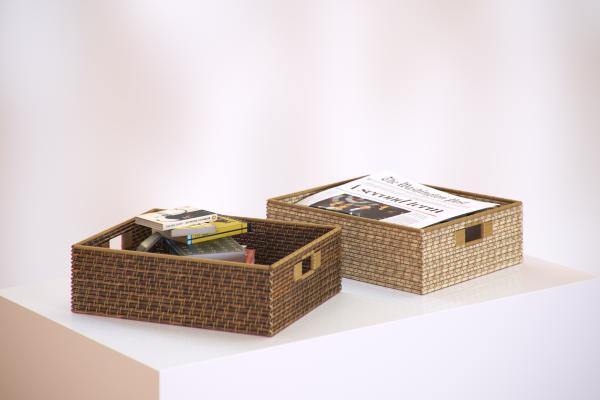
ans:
(257, 299)
(416, 260)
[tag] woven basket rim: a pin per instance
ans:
(510, 204)
(170, 257)
(332, 231)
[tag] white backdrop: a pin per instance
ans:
(110, 108)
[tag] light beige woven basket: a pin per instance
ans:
(418, 260)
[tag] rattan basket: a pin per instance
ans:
(297, 268)
(418, 260)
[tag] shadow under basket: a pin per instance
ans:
(417, 260)
(297, 268)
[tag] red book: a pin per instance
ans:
(250, 253)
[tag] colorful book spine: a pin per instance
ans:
(191, 239)
(224, 227)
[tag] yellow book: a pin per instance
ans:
(223, 227)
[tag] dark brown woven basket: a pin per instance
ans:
(297, 268)
(417, 260)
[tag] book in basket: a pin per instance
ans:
(168, 219)
(222, 227)
(221, 249)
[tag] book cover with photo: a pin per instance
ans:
(174, 217)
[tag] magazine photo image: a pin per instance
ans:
(359, 207)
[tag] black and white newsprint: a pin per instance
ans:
(388, 197)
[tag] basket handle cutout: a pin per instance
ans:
(473, 233)
(116, 243)
(119, 242)
(307, 266)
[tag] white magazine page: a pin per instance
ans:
(386, 196)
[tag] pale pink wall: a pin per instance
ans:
(111, 108)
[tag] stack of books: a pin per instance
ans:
(193, 232)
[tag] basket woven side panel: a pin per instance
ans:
(273, 241)
(291, 299)
(161, 290)
(383, 255)
(445, 263)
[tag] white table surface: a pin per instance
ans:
(349, 344)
